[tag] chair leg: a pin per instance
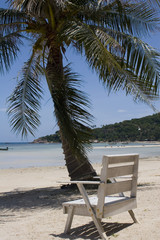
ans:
(96, 220)
(69, 219)
(100, 229)
(133, 216)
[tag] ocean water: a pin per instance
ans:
(37, 155)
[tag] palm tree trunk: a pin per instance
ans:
(77, 163)
(78, 168)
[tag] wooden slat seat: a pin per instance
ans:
(109, 200)
(106, 203)
(94, 201)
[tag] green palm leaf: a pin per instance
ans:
(137, 57)
(133, 17)
(112, 53)
(9, 49)
(71, 106)
(12, 23)
(12, 20)
(24, 103)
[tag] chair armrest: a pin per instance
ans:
(86, 182)
(81, 182)
(96, 177)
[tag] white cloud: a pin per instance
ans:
(3, 109)
(121, 110)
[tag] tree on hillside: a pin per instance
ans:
(107, 33)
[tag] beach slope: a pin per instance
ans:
(31, 206)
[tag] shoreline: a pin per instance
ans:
(126, 146)
(62, 166)
(16, 176)
(48, 155)
(94, 141)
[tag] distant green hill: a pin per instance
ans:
(142, 129)
(49, 138)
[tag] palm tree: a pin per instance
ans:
(107, 33)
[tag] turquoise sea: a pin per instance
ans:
(22, 155)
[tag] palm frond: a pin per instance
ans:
(71, 111)
(24, 102)
(9, 49)
(11, 24)
(143, 60)
(97, 55)
(134, 55)
(37, 7)
(135, 17)
(155, 3)
(12, 20)
(141, 18)
(136, 89)
(27, 5)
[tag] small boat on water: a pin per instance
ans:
(3, 148)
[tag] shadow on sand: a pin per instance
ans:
(45, 198)
(37, 198)
(50, 197)
(89, 231)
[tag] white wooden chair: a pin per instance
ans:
(106, 203)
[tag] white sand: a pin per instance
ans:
(31, 206)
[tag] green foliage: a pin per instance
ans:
(24, 103)
(107, 33)
(71, 105)
(142, 129)
(50, 138)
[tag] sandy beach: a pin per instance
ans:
(31, 206)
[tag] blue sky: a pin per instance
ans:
(106, 108)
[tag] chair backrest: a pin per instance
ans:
(122, 167)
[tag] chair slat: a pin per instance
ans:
(118, 187)
(113, 159)
(120, 171)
